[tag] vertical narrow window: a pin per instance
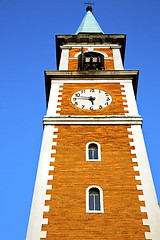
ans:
(93, 152)
(94, 200)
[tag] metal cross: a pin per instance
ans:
(89, 3)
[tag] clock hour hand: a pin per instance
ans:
(92, 99)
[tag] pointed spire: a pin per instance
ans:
(89, 24)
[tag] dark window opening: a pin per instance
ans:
(94, 199)
(93, 151)
(91, 61)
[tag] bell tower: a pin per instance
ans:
(93, 179)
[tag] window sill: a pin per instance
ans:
(96, 211)
(93, 160)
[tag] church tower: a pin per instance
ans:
(93, 179)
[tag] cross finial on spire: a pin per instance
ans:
(89, 3)
(89, 8)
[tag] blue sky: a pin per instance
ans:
(27, 48)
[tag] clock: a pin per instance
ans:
(91, 99)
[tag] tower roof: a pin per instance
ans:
(89, 24)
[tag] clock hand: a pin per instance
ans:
(87, 98)
(92, 99)
(83, 97)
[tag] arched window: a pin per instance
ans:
(94, 200)
(91, 61)
(93, 152)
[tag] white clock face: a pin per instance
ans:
(91, 99)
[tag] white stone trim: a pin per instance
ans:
(55, 136)
(149, 194)
(39, 197)
(99, 152)
(96, 51)
(130, 97)
(145, 221)
(53, 104)
(50, 177)
(138, 178)
(104, 45)
(100, 80)
(101, 200)
(48, 197)
(93, 120)
(43, 234)
(45, 221)
(54, 143)
(118, 65)
(134, 160)
(52, 159)
(148, 235)
(51, 168)
(104, 58)
(49, 187)
(64, 59)
(53, 151)
(139, 187)
(141, 197)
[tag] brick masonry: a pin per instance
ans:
(114, 89)
(115, 174)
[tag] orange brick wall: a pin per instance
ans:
(73, 63)
(108, 63)
(72, 175)
(114, 89)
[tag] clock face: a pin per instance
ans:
(91, 99)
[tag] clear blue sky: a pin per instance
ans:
(27, 48)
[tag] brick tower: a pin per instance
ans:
(93, 179)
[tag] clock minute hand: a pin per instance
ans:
(83, 97)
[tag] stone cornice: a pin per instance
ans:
(89, 75)
(95, 120)
(118, 39)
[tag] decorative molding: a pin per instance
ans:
(94, 81)
(105, 45)
(102, 40)
(104, 57)
(134, 120)
(106, 76)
